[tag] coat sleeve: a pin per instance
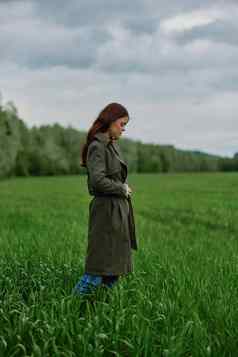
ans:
(97, 172)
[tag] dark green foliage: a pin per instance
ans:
(14, 138)
(229, 164)
(56, 150)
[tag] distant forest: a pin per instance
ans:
(56, 150)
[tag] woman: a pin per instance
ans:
(111, 229)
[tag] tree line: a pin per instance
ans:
(56, 150)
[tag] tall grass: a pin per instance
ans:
(181, 299)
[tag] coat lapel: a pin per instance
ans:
(118, 153)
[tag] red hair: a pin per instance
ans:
(109, 114)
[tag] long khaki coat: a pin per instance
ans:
(111, 228)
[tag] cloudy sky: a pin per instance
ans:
(173, 64)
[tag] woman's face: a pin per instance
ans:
(117, 127)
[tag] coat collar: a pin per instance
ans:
(103, 137)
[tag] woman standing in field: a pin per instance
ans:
(111, 229)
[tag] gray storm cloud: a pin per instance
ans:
(174, 65)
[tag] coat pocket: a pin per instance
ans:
(116, 216)
(99, 217)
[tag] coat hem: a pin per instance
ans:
(93, 272)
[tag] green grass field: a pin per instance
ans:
(181, 300)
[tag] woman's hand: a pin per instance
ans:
(128, 190)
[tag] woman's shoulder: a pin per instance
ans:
(95, 144)
(94, 148)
